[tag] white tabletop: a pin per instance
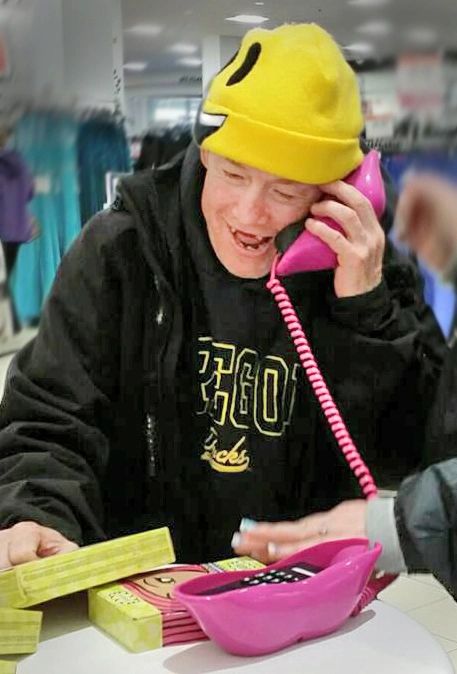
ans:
(381, 640)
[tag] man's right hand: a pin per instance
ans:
(27, 541)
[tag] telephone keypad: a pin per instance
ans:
(287, 574)
(279, 576)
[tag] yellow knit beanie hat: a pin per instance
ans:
(288, 104)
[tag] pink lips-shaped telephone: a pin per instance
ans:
(308, 252)
(304, 596)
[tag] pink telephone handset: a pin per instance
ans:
(308, 252)
(313, 592)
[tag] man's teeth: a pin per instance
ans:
(255, 237)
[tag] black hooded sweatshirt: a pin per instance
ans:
(155, 370)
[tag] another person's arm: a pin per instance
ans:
(417, 529)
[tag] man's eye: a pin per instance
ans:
(233, 176)
(285, 196)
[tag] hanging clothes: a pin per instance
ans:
(151, 152)
(102, 148)
(16, 225)
(160, 147)
(47, 141)
(16, 190)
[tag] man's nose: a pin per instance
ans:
(250, 207)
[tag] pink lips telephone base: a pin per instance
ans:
(266, 617)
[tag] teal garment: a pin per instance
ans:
(102, 148)
(47, 141)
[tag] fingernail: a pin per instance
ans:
(236, 540)
(49, 550)
(247, 524)
(272, 549)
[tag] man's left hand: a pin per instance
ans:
(360, 249)
(269, 542)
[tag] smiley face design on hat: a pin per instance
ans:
(287, 103)
(208, 123)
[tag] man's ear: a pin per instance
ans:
(204, 157)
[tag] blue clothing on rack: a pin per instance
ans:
(102, 148)
(47, 141)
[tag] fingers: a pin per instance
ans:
(278, 531)
(332, 237)
(4, 557)
(351, 197)
(285, 532)
(258, 550)
(28, 541)
(277, 552)
(355, 214)
(271, 541)
(344, 216)
(23, 543)
(57, 548)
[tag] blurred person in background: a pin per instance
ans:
(17, 226)
(418, 527)
(426, 220)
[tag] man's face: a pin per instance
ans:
(245, 209)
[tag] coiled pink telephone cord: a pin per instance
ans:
(331, 412)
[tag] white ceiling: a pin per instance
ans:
(190, 20)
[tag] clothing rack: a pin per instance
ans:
(83, 114)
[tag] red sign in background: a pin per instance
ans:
(4, 60)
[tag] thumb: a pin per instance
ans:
(53, 543)
(57, 549)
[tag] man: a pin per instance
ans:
(162, 388)
(417, 528)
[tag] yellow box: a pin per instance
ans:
(44, 579)
(7, 667)
(136, 623)
(124, 616)
(19, 631)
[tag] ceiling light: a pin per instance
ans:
(190, 61)
(359, 48)
(368, 3)
(259, 3)
(375, 28)
(421, 35)
(248, 18)
(135, 66)
(147, 29)
(183, 48)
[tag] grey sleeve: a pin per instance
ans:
(381, 528)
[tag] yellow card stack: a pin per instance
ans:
(141, 620)
(19, 631)
(7, 667)
(39, 581)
